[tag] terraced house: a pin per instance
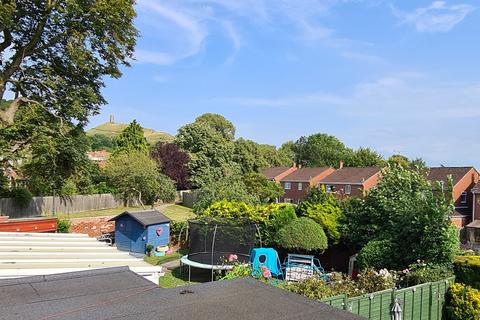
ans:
(297, 183)
(351, 181)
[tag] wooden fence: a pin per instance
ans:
(422, 302)
(44, 205)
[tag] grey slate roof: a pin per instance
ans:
(118, 293)
(146, 217)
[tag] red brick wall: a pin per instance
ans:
(94, 226)
(465, 185)
(294, 194)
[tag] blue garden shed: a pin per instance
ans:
(134, 230)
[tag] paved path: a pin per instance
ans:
(171, 264)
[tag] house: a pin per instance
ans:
(351, 181)
(464, 180)
(297, 183)
(473, 228)
(100, 157)
(135, 230)
(278, 173)
(118, 293)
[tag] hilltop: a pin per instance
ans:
(111, 129)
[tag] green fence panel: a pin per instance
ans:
(336, 301)
(415, 302)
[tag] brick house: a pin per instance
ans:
(351, 181)
(278, 173)
(464, 181)
(100, 157)
(297, 183)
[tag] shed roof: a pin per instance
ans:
(272, 173)
(441, 174)
(146, 217)
(118, 293)
(351, 175)
(305, 174)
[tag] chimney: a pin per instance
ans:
(341, 164)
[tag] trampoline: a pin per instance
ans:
(218, 245)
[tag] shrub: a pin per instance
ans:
(316, 288)
(302, 234)
(372, 281)
(467, 270)
(63, 226)
(232, 210)
(376, 254)
(463, 302)
(238, 271)
(421, 272)
(21, 197)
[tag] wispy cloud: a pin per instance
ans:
(180, 25)
(235, 38)
(362, 57)
(437, 17)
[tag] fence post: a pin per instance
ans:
(430, 304)
(345, 302)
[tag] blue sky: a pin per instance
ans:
(397, 76)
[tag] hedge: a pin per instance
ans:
(463, 302)
(467, 270)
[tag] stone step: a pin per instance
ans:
(17, 243)
(61, 255)
(48, 239)
(57, 248)
(72, 264)
(18, 273)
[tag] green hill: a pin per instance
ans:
(113, 129)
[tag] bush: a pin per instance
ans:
(421, 272)
(238, 271)
(463, 302)
(63, 226)
(21, 197)
(376, 254)
(316, 288)
(467, 270)
(372, 281)
(302, 234)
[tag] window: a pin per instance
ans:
(348, 189)
(330, 188)
(287, 186)
(463, 197)
(300, 186)
(287, 200)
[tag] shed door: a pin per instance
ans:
(123, 237)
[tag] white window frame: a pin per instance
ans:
(463, 197)
(300, 186)
(287, 185)
(330, 188)
(348, 189)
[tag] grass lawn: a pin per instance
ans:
(98, 213)
(171, 257)
(178, 213)
(174, 278)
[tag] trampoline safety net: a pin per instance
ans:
(216, 242)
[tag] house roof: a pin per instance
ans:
(272, 173)
(146, 217)
(118, 293)
(351, 175)
(99, 155)
(305, 174)
(441, 174)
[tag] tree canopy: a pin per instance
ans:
(321, 150)
(218, 123)
(405, 212)
(131, 139)
(172, 162)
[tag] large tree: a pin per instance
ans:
(131, 139)
(135, 176)
(319, 150)
(405, 217)
(219, 123)
(172, 162)
(54, 57)
(365, 157)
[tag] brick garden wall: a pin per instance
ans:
(92, 226)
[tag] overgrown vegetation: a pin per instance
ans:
(467, 270)
(63, 226)
(463, 302)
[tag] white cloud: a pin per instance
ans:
(185, 33)
(362, 57)
(235, 39)
(437, 17)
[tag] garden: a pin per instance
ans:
(407, 247)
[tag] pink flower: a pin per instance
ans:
(232, 258)
(266, 272)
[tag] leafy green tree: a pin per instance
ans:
(211, 155)
(302, 234)
(365, 157)
(320, 150)
(56, 56)
(262, 188)
(323, 208)
(252, 157)
(400, 160)
(218, 123)
(404, 210)
(102, 142)
(287, 149)
(131, 139)
(135, 176)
